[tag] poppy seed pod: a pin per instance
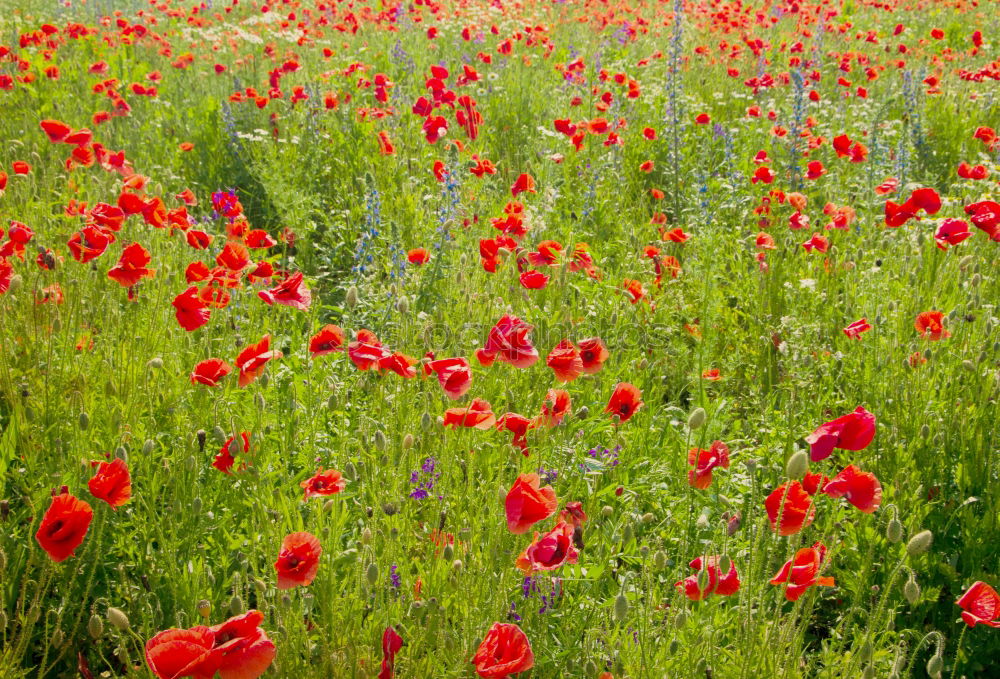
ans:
(95, 626)
(919, 543)
(118, 619)
(797, 465)
(697, 418)
(621, 608)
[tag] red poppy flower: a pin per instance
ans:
(189, 309)
(401, 364)
(573, 514)
(763, 174)
(55, 130)
(20, 167)
(259, 239)
(951, 232)
(818, 243)
(625, 400)
(593, 354)
(210, 371)
(704, 462)
(555, 407)
(234, 256)
(859, 488)
(131, 267)
(524, 182)
(290, 292)
(518, 425)
(391, 643)
(64, 526)
(634, 290)
(89, 243)
(251, 361)
(565, 361)
(454, 375)
(702, 119)
(508, 340)
(418, 256)
(855, 329)
(550, 551)
(328, 482)
(111, 483)
(711, 375)
(198, 239)
(476, 415)
(723, 584)
(527, 504)
(6, 274)
(803, 571)
(985, 215)
(793, 504)
(504, 651)
(235, 649)
(980, 605)
(298, 560)
(930, 325)
(366, 350)
(813, 481)
(533, 280)
(853, 431)
(225, 460)
(330, 338)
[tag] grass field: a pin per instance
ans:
(590, 340)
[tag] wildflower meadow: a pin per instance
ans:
(569, 339)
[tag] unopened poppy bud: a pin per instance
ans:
(350, 472)
(147, 447)
(697, 418)
(648, 517)
(674, 645)
(219, 435)
(919, 543)
(606, 511)
(643, 364)
(196, 505)
(627, 533)
(329, 505)
(236, 605)
(84, 420)
(911, 590)
(154, 363)
(702, 522)
(457, 565)
(371, 574)
(15, 283)
(379, 440)
(351, 299)
(925, 431)
(621, 608)
(644, 550)
(928, 354)
(57, 638)
(426, 421)
(966, 262)
(121, 453)
(407, 441)
(797, 465)
(725, 563)
(703, 579)
(95, 626)
(118, 619)
(868, 673)
(190, 463)
(366, 536)
(865, 652)
(583, 412)
(448, 552)
(200, 435)
(894, 530)
(259, 585)
(259, 397)
(975, 280)
(660, 559)
(682, 617)
(935, 666)
(234, 445)
(969, 365)
(590, 668)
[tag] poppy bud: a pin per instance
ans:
(583, 412)
(351, 299)
(329, 505)
(95, 626)
(219, 435)
(621, 607)
(366, 536)
(425, 421)
(975, 280)
(590, 668)
(934, 666)
(966, 262)
(919, 543)
(865, 652)
(674, 645)
(911, 590)
(682, 617)
(407, 441)
(121, 453)
(969, 365)
(147, 447)
(15, 284)
(379, 440)
(894, 530)
(196, 505)
(797, 465)
(371, 574)
(259, 398)
(117, 617)
(928, 354)
(448, 552)
(236, 605)
(190, 463)
(350, 472)
(627, 533)
(200, 435)
(154, 363)
(660, 559)
(725, 563)
(702, 522)
(57, 638)
(84, 420)
(234, 446)
(868, 673)
(703, 579)
(286, 600)
(648, 517)
(697, 418)
(457, 565)
(402, 306)
(606, 511)
(925, 431)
